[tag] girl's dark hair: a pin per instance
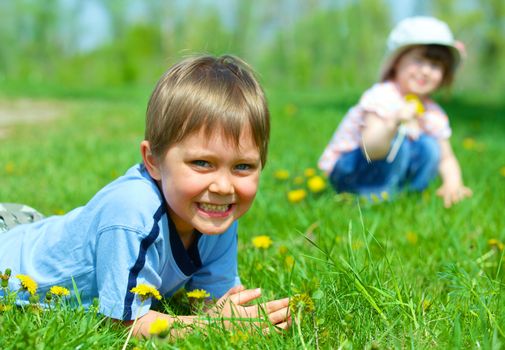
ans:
(434, 52)
(443, 55)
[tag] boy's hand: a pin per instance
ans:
(231, 306)
(452, 194)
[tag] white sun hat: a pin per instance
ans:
(420, 30)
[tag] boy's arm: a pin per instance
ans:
(143, 323)
(230, 308)
(452, 190)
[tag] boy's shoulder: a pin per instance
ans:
(132, 199)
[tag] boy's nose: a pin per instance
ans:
(222, 184)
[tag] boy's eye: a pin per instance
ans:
(243, 167)
(201, 163)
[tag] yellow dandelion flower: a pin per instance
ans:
(289, 261)
(27, 283)
(9, 168)
(358, 244)
(4, 277)
(426, 304)
(502, 171)
(494, 243)
(301, 303)
(316, 184)
(146, 291)
(417, 101)
(262, 242)
(296, 196)
(281, 174)
(290, 109)
(5, 308)
(298, 180)
(238, 337)
(375, 199)
(384, 195)
(469, 143)
(198, 294)
(59, 211)
(159, 327)
(411, 237)
(59, 291)
(309, 172)
(283, 250)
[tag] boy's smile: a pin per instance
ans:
(208, 183)
(416, 74)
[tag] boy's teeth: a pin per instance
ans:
(214, 207)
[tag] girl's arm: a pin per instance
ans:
(452, 190)
(377, 132)
(377, 135)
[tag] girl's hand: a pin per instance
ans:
(406, 113)
(452, 194)
(231, 307)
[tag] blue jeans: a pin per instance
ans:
(415, 165)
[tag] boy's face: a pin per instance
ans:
(208, 183)
(415, 74)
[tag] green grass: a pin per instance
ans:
(401, 274)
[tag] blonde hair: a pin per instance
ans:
(210, 93)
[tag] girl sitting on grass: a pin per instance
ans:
(397, 138)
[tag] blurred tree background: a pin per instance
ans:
(293, 44)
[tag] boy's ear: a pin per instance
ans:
(150, 161)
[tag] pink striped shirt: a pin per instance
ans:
(382, 99)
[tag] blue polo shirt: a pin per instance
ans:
(121, 238)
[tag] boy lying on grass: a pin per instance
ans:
(170, 221)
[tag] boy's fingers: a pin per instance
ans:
(278, 328)
(226, 296)
(275, 305)
(283, 326)
(279, 316)
(234, 290)
(245, 296)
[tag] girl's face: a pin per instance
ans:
(418, 75)
(208, 183)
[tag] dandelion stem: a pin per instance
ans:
(298, 321)
(316, 331)
(132, 327)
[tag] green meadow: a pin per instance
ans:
(402, 273)
(406, 273)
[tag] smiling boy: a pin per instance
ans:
(172, 220)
